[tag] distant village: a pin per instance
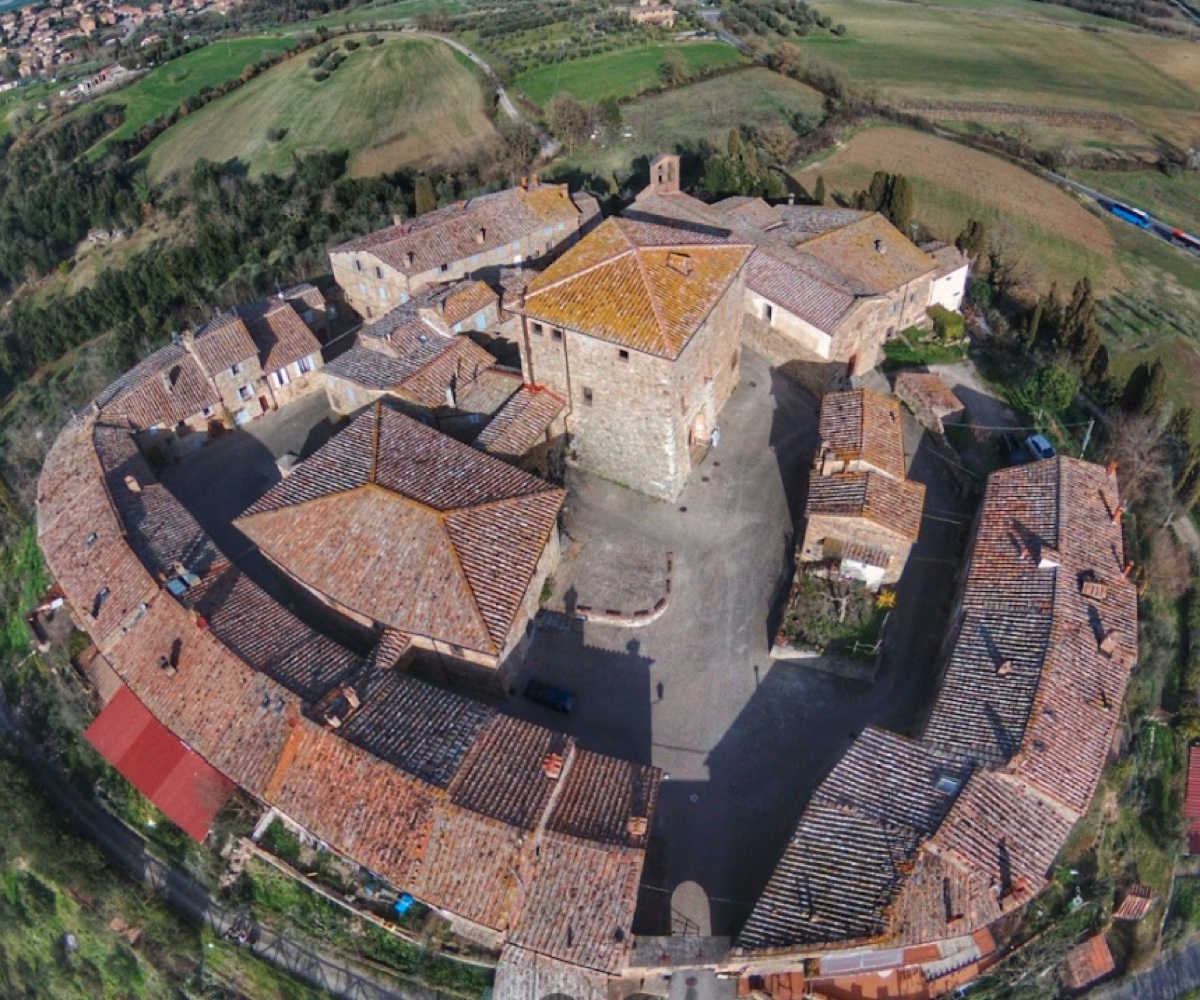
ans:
(43, 39)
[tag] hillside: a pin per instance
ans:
(405, 102)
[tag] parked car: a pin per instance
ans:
(1039, 447)
(550, 696)
(1012, 449)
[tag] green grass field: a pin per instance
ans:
(161, 90)
(407, 102)
(943, 53)
(618, 74)
(705, 110)
(1175, 200)
(387, 11)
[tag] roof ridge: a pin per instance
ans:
(378, 416)
(608, 259)
(654, 304)
(466, 578)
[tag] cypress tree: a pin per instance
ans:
(1133, 396)
(1033, 325)
(425, 198)
(1189, 496)
(876, 196)
(1097, 372)
(900, 204)
(819, 191)
(1156, 391)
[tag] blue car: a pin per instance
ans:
(1039, 447)
(550, 696)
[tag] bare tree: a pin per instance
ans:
(1138, 446)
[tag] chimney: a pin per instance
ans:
(1118, 513)
(1005, 669)
(481, 236)
(879, 247)
(410, 257)
(397, 220)
(132, 484)
(525, 181)
(552, 766)
(1108, 644)
(791, 199)
(1111, 468)
(534, 183)
(450, 401)
(1049, 558)
(636, 826)
(1128, 567)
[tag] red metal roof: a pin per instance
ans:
(1191, 805)
(170, 774)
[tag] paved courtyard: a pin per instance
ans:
(743, 739)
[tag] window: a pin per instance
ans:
(768, 311)
(480, 322)
(358, 265)
(305, 365)
(362, 288)
(235, 369)
(474, 258)
(379, 272)
(443, 268)
(245, 392)
(588, 397)
(404, 296)
(382, 294)
(556, 334)
(537, 329)
(282, 377)
(517, 259)
(623, 354)
(208, 411)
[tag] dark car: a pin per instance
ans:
(1012, 449)
(550, 696)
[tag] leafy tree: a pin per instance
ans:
(673, 70)
(568, 120)
(608, 111)
(1053, 387)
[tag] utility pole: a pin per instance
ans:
(1087, 437)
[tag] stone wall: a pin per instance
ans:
(302, 383)
(345, 397)
(858, 530)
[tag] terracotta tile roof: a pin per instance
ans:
(223, 342)
(83, 540)
(307, 295)
(1191, 805)
(421, 729)
(460, 364)
(503, 774)
(280, 336)
(487, 392)
(1028, 680)
(645, 286)
(606, 800)
(417, 531)
(268, 637)
(239, 721)
(471, 866)
(854, 844)
(892, 504)
(526, 975)
(820, 301)
(753, 211)
(521, 423)
(460, 231)
(459, 301)
(1005, 833)
(1087, 963)
(579, 902)
(377, 815)
(871, 255)
(1138, 901)
(165, 388)
(373, 369)
(949, 258)
(159, 527)
(861, 425)
(930, 389)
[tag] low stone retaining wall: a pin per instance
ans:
(624, 618)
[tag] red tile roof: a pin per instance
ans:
(417, 531)
(861, 425)
(280, 336)
(1087, 963)
(169, 773)
(1191, 805)
(522, 423)
(645, 286)
(165, 388)
(460, 231)
(892, 504)
(223, 342)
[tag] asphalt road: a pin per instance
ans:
(188, 897)
(1158, 228)
(1170, 979)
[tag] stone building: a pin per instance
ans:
(931, 401)
(824, 287)
(862, 515)
(288, 351)
(638, 328)
(229, 358)
(950, 279)
(384, 269)
(401, 528)
(659, 15)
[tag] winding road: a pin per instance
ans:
(333, 974)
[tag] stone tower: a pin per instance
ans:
(664, 174)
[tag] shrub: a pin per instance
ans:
(351, 44)
(321, 76)
(276, 134)
(980, 292)
(947, 325)
(1053, 387)
(373, 40)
